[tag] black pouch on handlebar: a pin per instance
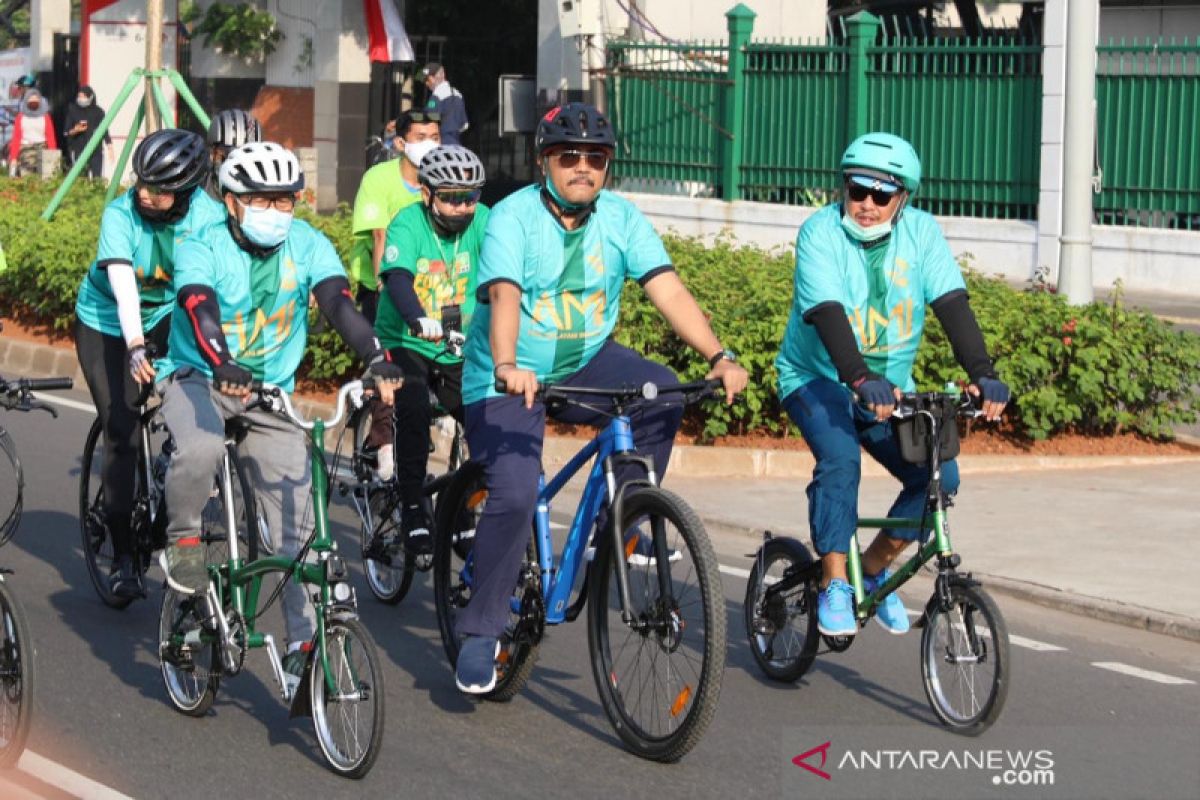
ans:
(913, 434)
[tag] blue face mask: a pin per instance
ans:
(266, 227)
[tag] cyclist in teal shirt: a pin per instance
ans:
(243, 286)
(125, 302)
(865, 270)
(555, 257)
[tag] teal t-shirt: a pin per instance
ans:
(264, 302)
(884, 294)
(444, 273)
(570, 283)
(127, 238)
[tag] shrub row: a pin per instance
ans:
(1098, 369)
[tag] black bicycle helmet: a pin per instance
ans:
(171, 159)
(451, 166)
(233, 127)
(574, 123)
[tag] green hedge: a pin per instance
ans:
(1098, 369)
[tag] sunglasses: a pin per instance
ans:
(154, 191)
(460, 198)
(859, 193)
(424, 116)
(596, 159)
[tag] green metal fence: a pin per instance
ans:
(1148, 134)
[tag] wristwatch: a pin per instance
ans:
(726, 355)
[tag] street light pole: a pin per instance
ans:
(1079, 140)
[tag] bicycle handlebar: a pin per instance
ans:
(693, 391)
(47, 384)
(275, 399)
(17, 395)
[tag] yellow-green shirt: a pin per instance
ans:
(382, 193)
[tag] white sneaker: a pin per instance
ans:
(385, 463)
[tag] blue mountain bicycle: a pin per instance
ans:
(656, 621)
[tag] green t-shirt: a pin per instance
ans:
(381, 195)
(444, 274)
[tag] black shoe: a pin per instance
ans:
(418, 530)
(125, 581)
(378, 550)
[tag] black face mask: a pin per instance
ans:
(448, 226)
(177, 211)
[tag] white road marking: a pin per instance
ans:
(66, 402)
(1033, 644)
(736, 572)
(1144, 674)
(65, 778)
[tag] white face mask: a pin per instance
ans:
(862, 234)
(266, 227)
(415, 151)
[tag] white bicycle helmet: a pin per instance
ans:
(451, 166)
(261, 167)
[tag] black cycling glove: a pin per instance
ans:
(230, 375)
(993, 390)
(381, 367)
(875, 390)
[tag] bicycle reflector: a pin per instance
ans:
(337, 575)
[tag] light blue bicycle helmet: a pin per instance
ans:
(885, 153)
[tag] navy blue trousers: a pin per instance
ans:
(835, 427)
(506, 438)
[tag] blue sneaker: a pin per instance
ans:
(891, 613)
(476, 669)
(835, 610)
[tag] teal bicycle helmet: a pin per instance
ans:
(885, 153)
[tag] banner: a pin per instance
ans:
(385, 32)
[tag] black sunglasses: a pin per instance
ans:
(596, 159)
(424, 116)
(462, 198)
(859, 193)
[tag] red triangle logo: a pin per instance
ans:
(823, 749)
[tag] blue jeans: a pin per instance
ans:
(835, 427)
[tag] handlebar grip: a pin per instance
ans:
(48, 384)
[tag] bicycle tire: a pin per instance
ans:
(680, 717)
(777, 620)
(944, 633)
(17, 677)
(355, 667)
(464, 499)
(191, 683)
(388, 583)
(97, 545)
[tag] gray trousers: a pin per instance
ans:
(274, 455)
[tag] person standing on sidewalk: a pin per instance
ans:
(386, 189)
(32, 133)
(561, 244)
(83, 119)
(445, 101)
(865, 270)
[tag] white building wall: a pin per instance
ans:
(208, 63)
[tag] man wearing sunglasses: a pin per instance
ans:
(555, 258)
(865, 270)
(429, 264)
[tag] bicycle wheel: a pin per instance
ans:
(782, 626)
(659, 677)
(348, 717)
(388, 582)
(465, 498)
(16, 677)
(97, 544)
(964, 659)
(187, 652)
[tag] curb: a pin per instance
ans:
(688, 461)
(1130, 616)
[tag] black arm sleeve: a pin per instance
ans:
(337, 304)
(203, 312)
(399, 285)
(966, 339)
(834, 329)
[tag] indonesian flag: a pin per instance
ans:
(388, 40)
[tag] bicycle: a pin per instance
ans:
(664, 605)
(379, 505)
(17, 653)
(204, 637)
(148, 519)
(962, 629)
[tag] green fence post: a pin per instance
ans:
(861, 30)
(740, 22)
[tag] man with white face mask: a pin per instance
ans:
(865, 270)
(242, 287)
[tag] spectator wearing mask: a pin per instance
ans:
(446, 101)
(33, 132)
(83, 118)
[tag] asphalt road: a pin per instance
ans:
(1112, 710)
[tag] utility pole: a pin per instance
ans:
(154, 30)
(1079, 141)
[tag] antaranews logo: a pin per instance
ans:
(1008, 767)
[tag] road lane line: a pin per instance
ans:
(65, 778)
(736, 572)
(1144, 674)
(1033, 644)
(65, 401)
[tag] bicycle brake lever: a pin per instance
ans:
(38, 405)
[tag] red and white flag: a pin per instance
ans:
(385, 29)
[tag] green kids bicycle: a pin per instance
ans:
(964, 639)
(205, 637)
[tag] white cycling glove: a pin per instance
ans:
(429, 328)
